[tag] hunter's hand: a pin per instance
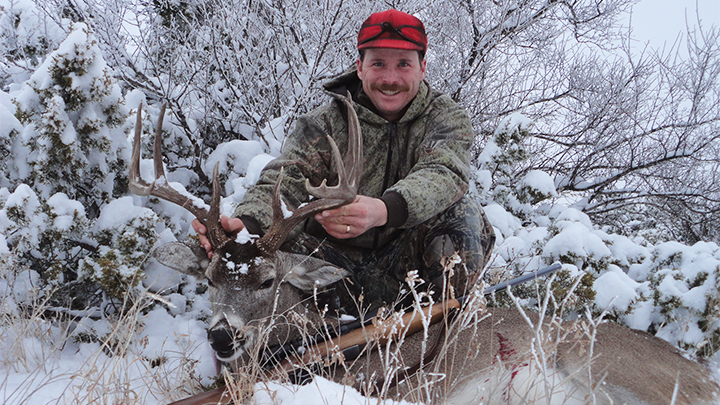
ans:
(230, 225)
(354, 219)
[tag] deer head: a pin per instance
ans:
(250, 278)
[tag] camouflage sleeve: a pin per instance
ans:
(303, 157)
(440, 176)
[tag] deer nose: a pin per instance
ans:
(224, 341)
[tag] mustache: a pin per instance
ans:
(389, 87)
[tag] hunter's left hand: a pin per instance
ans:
(354, 219)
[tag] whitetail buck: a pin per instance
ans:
(260, 299)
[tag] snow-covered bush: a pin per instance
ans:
(28, 35)
(8, 132)
(69, 161)
(44, 232)
(681, 295)
(501, 177)
(73, 140)
(669, 289)
(558, 235)
(572, 239)
(125, 234)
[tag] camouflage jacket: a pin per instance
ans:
(419, 165)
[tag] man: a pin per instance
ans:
(411, 211)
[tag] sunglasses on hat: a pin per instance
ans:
(409, 33)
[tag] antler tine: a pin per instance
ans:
(276, 235)
(215, 232)
(161, 189)
(157, 145)
(326, 197)
(348, 179)
(354, 157)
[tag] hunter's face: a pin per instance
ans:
(391, 78)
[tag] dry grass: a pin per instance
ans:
(535, 382)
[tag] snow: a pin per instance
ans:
(23, 196)
(234, 154)
(42, 375)
(319, 391)
(119, 212)
(615, 290)
(65, 210)
(239, 185)
(575, 240)
(514, 120)
(244, 236)
(540, 181)
(4, 249)
(8, 122)
(623, 250)
(502, 220)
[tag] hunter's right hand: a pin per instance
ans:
(230, 225)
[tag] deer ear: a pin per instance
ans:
(309, 273)
(190, 260)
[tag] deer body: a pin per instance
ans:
(262, 296)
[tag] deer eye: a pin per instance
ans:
(210, 283)
(267, 284)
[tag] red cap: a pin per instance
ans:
(392, 29)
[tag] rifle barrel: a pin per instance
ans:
(525, 277)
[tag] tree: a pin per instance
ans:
(27, 38)
(228, 70)
(631, 135)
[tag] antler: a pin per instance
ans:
(327, 197)
(161, 189)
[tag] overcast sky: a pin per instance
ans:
(660, 21)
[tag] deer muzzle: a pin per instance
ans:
(227, 341)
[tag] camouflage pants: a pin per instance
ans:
(378, 275)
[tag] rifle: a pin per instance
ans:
(350, 342)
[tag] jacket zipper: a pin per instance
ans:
(388, 166)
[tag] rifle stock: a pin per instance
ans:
(379, 332)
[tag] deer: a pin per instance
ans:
(262, 297)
